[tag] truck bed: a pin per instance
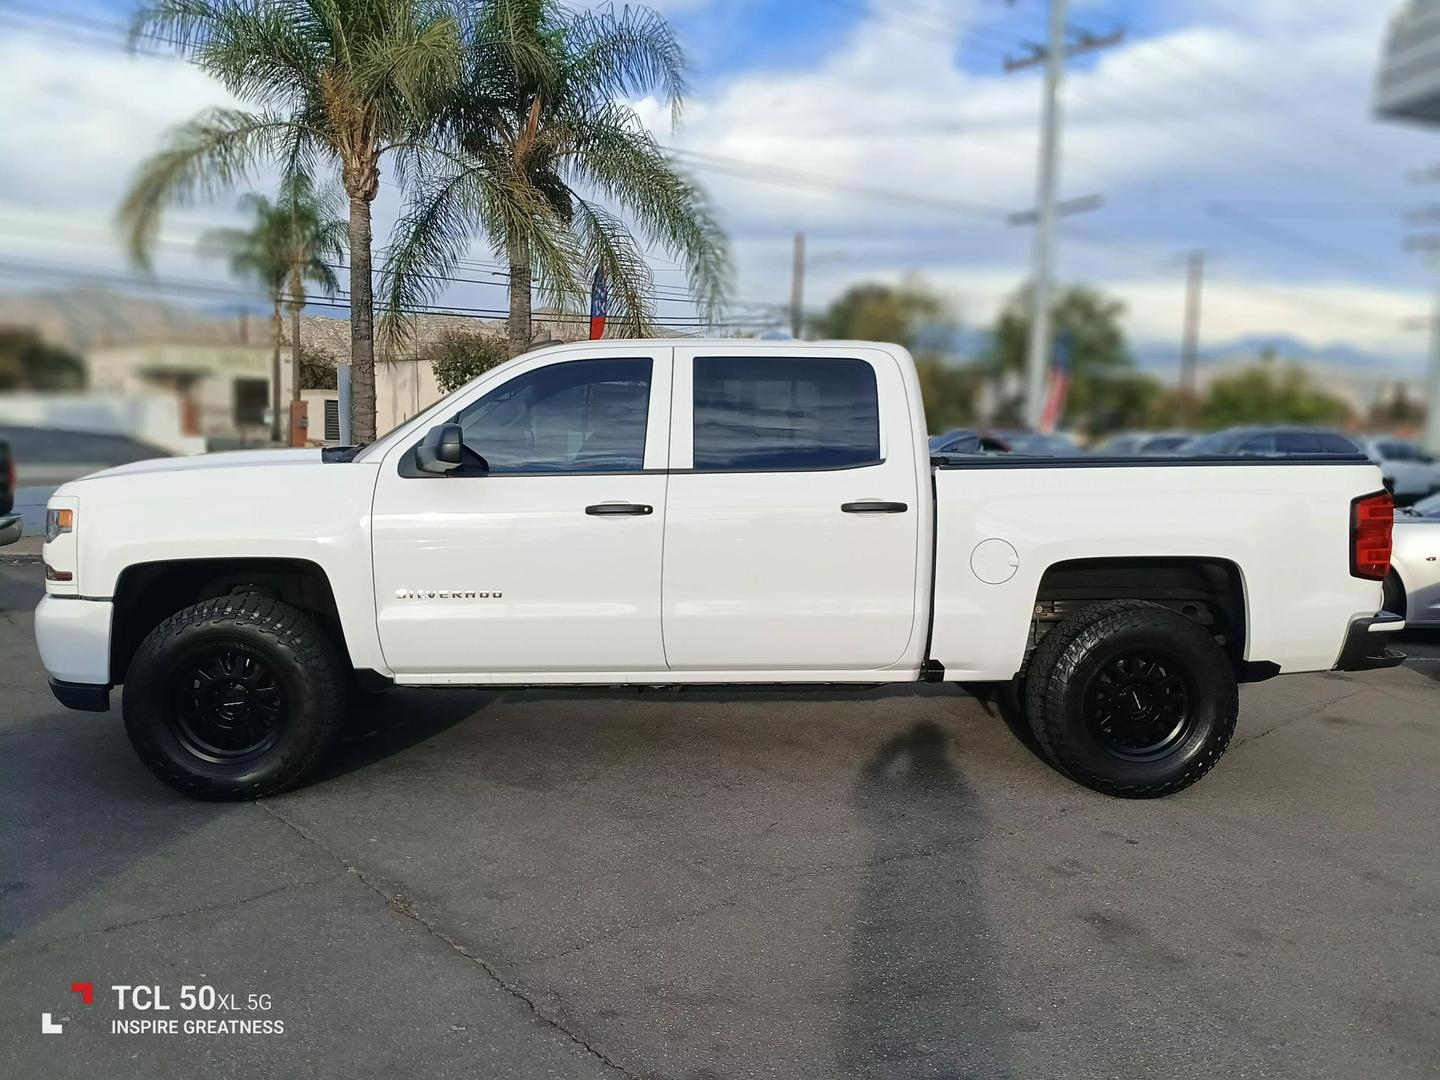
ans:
(1243, 516)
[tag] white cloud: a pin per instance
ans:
(1252, 100)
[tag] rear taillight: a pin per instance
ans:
(1372, 523)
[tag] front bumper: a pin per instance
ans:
(81, 696)
(11, 526)
(1365, 648)
(73, 636)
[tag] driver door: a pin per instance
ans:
(541, 553)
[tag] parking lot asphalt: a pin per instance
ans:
(882, 883)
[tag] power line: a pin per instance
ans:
(28, 271)
(747, 169)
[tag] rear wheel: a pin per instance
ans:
(234, 698)
(1133, 699)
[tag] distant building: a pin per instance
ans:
(1409, 85)
(219, 366)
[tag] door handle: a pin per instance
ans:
(873, 506)
(605, 509)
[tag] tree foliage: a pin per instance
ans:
(457, 356)
(344, 82)
(911, 315)
(537, 134)
(28, 363)
(287, 241)
(1265, 395)
(1089, 322)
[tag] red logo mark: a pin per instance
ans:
(85, 990)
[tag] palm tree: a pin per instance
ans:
(285, 246)
(344, 81)
(541, 130)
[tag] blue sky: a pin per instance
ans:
(1240, 127)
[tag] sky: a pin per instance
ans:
(1240, 128)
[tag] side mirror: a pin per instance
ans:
(439, 451)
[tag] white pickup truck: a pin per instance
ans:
(683, 512)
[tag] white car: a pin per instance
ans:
(1412, 472)
(1413, 587)
(702, 512)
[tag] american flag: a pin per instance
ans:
(599, 304)
(1059, 386)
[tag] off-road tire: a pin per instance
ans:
(1061, 681)
(1035, 678)
(307, 670)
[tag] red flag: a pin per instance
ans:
(599, 304)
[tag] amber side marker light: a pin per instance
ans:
(1372, 527)
(51, 574)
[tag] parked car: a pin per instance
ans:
(1273, 442)
(7, 478)
(965, 441)
(10, 523)
(1141, 443)
(1411, 472)
(512, 534)
(1413, 586)
(1034, 444)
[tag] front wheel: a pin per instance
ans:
(1136, 701)
(234, 698)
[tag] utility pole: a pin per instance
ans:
(1194, 286)
(797, 289)
(1053, 55)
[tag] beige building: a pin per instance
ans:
(219, 367)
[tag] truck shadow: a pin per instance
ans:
(381, 726)
(923, 998)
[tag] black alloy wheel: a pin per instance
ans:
(1140, 705)
(230, 706)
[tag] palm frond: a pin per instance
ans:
(620, 159)
(200, 159)
(629, 54)
(608, 245)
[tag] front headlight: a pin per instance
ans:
(58, 522)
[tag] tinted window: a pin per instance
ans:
(959, 444)
(1392, 451)
(1334, 444)
(1221, 442)
(581, 416)
(1312, 442)
(1260, 444)
(762, 413)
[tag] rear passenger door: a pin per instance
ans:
(792, 522)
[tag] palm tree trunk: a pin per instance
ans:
(297, 301)
(277, 430)
(520, 280)
(362, 325)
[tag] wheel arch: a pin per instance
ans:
(1209, 590)
(148, 593)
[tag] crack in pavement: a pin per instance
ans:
(399, 904)
(1319, 710)
(26, 950)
